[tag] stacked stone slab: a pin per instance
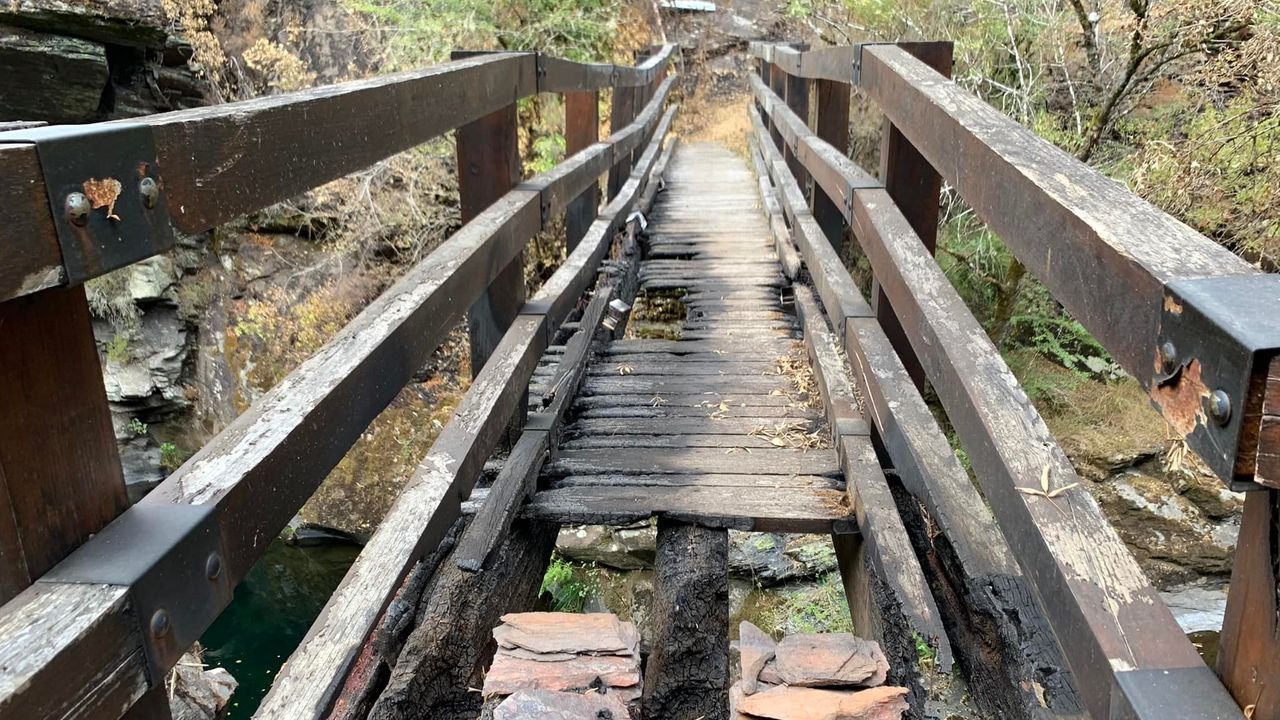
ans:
(564, 665)
(813, 676)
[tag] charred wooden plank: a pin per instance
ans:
(687, 674)
(704, 480)
(694, 460)
(452, 643)
(762, 510)
(888, 595)
(681, 426)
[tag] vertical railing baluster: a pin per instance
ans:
(581, 130)
(796, 94)
(831, 123)
(621, 113)
(488, 167)
(916, 188)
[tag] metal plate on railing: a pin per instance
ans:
(105, 194)
(171, 559)
(1217, 335)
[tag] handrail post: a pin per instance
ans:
(488, 167)
(60, 474)
(581, 130)
(621, 112)
(796, 95)
(777, 82)
(916, 188)
(831, 123)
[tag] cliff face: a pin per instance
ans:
(74, 61)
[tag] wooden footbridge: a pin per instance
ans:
(787, 401)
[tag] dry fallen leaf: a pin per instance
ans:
(1044, 479)
(103, 194)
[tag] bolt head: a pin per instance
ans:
(150, 192)
(159, 623)
(77, 208)
(213, 566)
(1220, 406)
(1168, 356)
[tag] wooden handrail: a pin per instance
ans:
(431, 501)
(1123, 645)
(222, 162)
(250, 479)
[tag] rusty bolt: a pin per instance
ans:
(1220, 406)
(159, 623)
(149, 191)
(1168, 356)
(213, 566)
(77, 207)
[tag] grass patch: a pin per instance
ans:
(567, 585)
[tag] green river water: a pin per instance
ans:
(273, 608)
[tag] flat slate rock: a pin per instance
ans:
(796, 703)
(509, 674)
(555, 632)
(755, 648)
(551, 705)
(830, 660)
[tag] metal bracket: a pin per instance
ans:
(857, 59)
(1217, 336)
(105, 194)
(172, 560)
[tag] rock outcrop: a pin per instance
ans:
(76, 61)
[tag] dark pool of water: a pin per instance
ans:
(272, 610)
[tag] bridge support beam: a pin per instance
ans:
(687, 676)
(916, 187)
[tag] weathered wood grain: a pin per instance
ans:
(694, 460)
(60, 476)
(414, 525)
(1084, 576)
(687, 673)
(998, 632)
(50, 631)
(762, 510)
(1102, 251)
(703, 480)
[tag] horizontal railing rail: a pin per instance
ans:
(1128, 654)
(102, 629)
(1125, 269)
(214, 164)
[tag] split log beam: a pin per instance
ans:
(445, 655)
(687, 675)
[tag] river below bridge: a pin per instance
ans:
(272, 610)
